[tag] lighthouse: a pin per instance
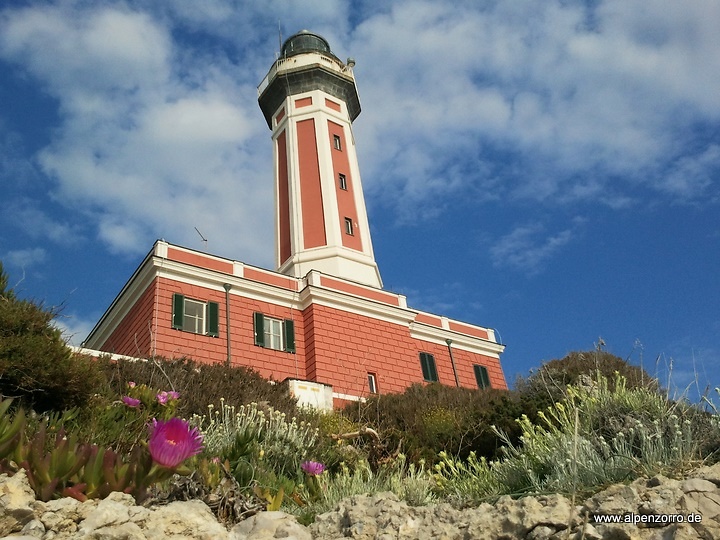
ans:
(309, 100)
(320, 320)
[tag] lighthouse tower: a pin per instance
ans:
(309, 100)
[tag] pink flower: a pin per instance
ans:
(313, 468)
(130, 401)
(131, 384)
(163, 397)
(173, 441)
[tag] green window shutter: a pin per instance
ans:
(431, 365)
(481, 376)
(423, 365)
(213, 323)
(289, 335)
(259, 322)
(178, 311)
(427, 363)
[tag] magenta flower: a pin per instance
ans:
(173, 441)
(313, 468)
(163, 397)
(131, 401)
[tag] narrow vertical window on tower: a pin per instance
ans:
(348, 226)
(342, 181)
(372, 383)
(481, 376)
(336, 142)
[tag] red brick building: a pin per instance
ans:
(322, 319)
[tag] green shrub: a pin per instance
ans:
(36, 365)
(428, 419)
(199, 384)
(411, 483)
(122, 424)
(596, 436)
(465, 481)
(261, 445)
(547, 385)
(709, 424)
(331, 449)
(600, 435)
(58, 464)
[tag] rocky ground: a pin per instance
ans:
(670, 504)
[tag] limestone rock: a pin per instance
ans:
(617, 499)
(111, 511)
(698, 484)
(712, 474)
(383, 516)
(182, 519)
(707, 506)
(268, 525)
(34, 528)
(16, 500)
(587, 532)
(658, 497)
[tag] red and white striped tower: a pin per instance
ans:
(309, 100)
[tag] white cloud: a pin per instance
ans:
(147, 148)
(445, 299)
(691, 176)
(73, 327)
(551, 101)
(527, 248)
(39, 225)
(87, 51)
(562, 91)
(25, 258)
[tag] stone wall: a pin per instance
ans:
(382, 516)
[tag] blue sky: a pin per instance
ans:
(548, 169)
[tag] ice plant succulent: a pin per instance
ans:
(173, 441)
(131, 401)
(163, 397)
(312, 468)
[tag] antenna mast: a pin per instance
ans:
(203, 238)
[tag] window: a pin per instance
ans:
(336, 142)
(427, 363)
(342, 181)
(481, 376)
(273, 333)
(348, 226)
(372, 383)
(195, 316)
